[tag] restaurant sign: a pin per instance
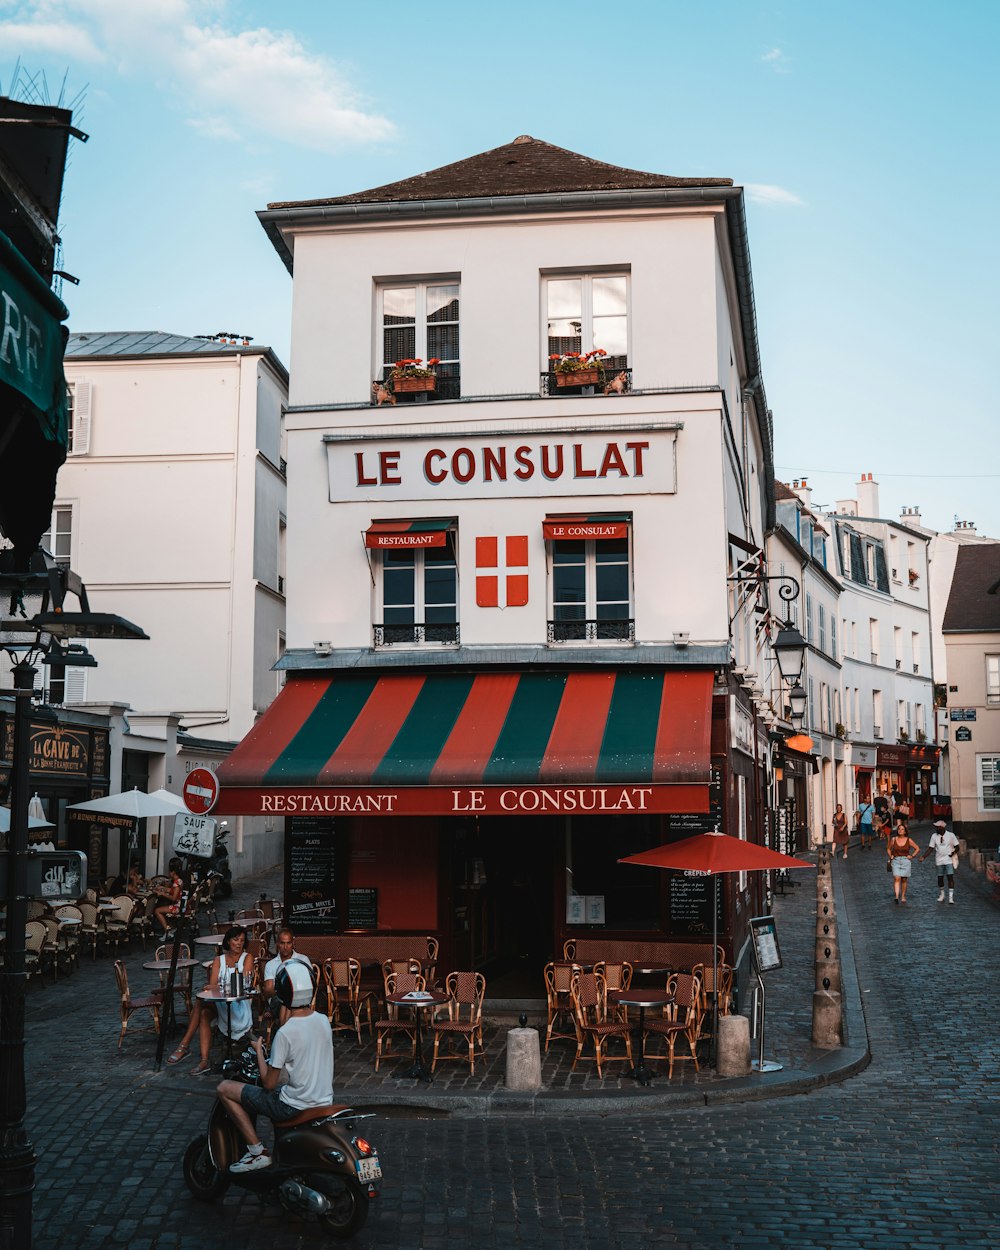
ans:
(60, 750)
(464, 800)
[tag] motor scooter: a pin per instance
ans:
(320, 1164)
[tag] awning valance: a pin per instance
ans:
(581, 526)
(415, 532)
(526, 743)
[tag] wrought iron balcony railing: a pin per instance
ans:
(446, 386)
(591, 631)
(614, 381)
(433, 635)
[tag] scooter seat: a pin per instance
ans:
(310, 1114)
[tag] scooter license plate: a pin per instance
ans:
(369, 1169)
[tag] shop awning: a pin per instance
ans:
(418, 532)
(526, 743)
(581, 526)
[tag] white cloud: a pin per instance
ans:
(766, 193)
(777, 60)
(231, 81)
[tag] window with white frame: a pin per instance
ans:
(78, 406)
(873, 638)
(420, 321)
(590, 590)
(812, 704)
(915, 651)
(586, 312)
(59, 684)
(822, 627)
(988, 782)
(921, 722)
(809, 618)
(833, 635)
(993, 679)
(58, 538)
(877, 712)
(901, 717)
(897, 645)
(417, 595)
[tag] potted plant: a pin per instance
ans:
(840, 731)
(413, 375)
(914, 576)
(579, 368)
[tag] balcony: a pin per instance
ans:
(591, 631)
(415, 635)
(446, 386)
(617, 381)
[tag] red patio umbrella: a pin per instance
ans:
(712, 854)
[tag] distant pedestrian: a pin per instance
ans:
(841, 832)
(881, 805)
(866, 823)
(944, 846)
(902, 849)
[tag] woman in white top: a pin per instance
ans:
(232, 958)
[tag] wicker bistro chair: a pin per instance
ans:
(558, 977)
(37, 953)
(182, 982)
(130, 1004)
(71, 933)
(91, 930)
(430, 965)
(393, 1023)
(465, 991)
(56, 952)
(116, 923)
(617, 976)
(681, 1019)
(725, 996)
(345, 997)
(588, 990)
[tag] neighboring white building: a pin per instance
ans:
(800, 546)
(888, 687)
(483, 577)
(171, 507)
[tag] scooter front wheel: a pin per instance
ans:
(201, 1175)
(348, 1204)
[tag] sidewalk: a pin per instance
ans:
(87, 1004)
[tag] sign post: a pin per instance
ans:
(766, 958)
(200, 791)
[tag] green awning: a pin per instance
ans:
(32, 342)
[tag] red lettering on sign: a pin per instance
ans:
(435, 476)
(523, 458)
(363, 480)
(388, 463)
(580, 471)
(637, 449)
(466, 473)
(548, 470)
(494, 460)
(613, 460)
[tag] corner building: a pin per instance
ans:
(525, 608)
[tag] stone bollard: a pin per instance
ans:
(826, 911)
(826, 949)
(524, 1061)
(828, 975)
(828, 1019)
(826, 930)
(733, 1051)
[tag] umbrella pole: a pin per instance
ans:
(715, 969)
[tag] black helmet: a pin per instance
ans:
(294, 984)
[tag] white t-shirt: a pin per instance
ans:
(943, 842)
(303, 1049)
(272, 965)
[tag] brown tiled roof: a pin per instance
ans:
(527, 166)
(781, 491)
(970, 604)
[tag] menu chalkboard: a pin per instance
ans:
(690, 904)
(310, 874)
(362, 908)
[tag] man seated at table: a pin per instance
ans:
(286, 954)
(302, 1053)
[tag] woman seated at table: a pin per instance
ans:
(169, 897)
(232, 958)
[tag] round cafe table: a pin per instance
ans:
(163, 965)
(213, 994)
(642, 999)
(419, 1001)
(210, 939)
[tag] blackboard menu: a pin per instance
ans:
(690, 904)
(362, 908)
(310, 874)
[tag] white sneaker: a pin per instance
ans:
(941, 896)
(951, 898)
(252, 1163)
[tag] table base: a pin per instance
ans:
(765, 1065)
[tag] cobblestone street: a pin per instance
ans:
(902, 1154)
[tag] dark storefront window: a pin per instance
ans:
(594, 847)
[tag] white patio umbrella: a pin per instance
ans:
(33, 821)
(136, 803)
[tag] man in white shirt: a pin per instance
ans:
(286, 955)
(944, 845)
(301, 1057)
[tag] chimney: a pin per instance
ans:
(867, 496)
(803, 490)
(847, 507)
(910, 516)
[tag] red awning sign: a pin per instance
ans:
(200, 790)
(406, 533)
(562, 528)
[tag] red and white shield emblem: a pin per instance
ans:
(502, 583)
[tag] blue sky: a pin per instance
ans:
(865, 134)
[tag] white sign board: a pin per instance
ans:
(502, 466)
(194, 835)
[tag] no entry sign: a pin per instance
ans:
(200, 791)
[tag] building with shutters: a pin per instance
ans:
(528, 624)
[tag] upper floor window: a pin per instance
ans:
(58, 538)
(588, 312)
(993, 679)
(416, 581)
(590, 585)
(78, 398)
(822, 627)
(420, 321)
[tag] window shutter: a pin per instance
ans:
(76, 685)
(81, 419)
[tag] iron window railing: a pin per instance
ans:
(592, 631)
(394, 635)
(616, 381)
(447, 386)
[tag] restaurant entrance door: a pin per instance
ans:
(503, 873)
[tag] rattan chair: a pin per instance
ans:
(131, 1004)
(91, 928)
(71, 933)
(588, 990)
(182, 981)
(37, 955)
(558, 978)
(465, 991)
(682, 1019)
(345, 997)
(392, 1024)
(617, 976)
(705, 971)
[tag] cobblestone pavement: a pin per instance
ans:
(902, 1154)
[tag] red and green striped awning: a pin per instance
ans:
(419, 532)
(579, 525)
(488, 742)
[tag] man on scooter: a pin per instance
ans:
(303, 1051)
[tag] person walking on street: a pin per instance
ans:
(866, 819)
(944, 846)
(841, 833)
(902, 849)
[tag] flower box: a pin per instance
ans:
(404, 385)
(577, 377)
